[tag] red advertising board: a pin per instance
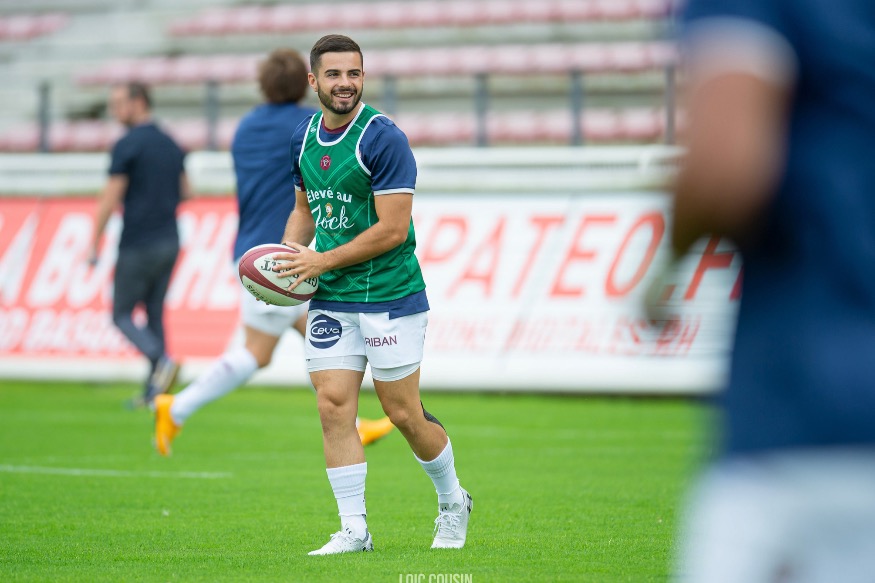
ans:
(534, 291)
(55, 304)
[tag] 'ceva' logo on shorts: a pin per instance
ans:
(324, 331)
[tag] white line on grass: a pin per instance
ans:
(111, 473)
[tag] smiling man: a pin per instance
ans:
(355, 177)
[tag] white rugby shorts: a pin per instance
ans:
(386, 343)
(273, 320)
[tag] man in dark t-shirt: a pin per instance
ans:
(147, 180)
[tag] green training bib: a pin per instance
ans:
(341, 200)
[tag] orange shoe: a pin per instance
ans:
(165, 429)
(370, 430)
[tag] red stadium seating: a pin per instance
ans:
(20, 139)
(421, 13)
(464, 60)
(27, 26)
(439, 129)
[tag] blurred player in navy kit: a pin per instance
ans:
(147, 179)
(780, 160)
(265, 198)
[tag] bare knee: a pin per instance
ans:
(333, 409)
(400, 416)
(260, 345)
(327, 402)
(263, 359)
(262, 351)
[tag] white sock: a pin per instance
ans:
(442, 471)
(348, 484)
(231, 370)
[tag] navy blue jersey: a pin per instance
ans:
(265, 192)
(153, 165)
(803, 369)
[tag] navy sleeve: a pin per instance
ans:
(386, 154)
(763, 12)
(754, 36)
(122, 157)
(295, 152)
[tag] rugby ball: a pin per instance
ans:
(259, 279)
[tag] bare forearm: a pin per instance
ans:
(186, 192)
(371, 243)
(105, 206)
(390, 231)
(110, 198)
(300, 227)
(733, 161)
(100, 221)
(724, 196)
(706, 207)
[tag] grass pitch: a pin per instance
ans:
(565, 489)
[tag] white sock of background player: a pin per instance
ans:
(231, 370)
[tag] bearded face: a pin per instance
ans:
(338, 82)
(339, 99)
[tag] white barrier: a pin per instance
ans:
(469, 170)
(535, 260)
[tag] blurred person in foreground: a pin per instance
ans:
(780, 149)
(147, 180)
(265, 198)
(355, 176)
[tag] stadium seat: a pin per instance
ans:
(251, 19)
(188, 69)
(432, 129)
(458, 60)
(22, 138)
(191, 134)
(656, 8)
(421, 13)
(601, 126)
(438, 129)
(525, 12)
(94, 135)
(522, 127)
(390, 15)
(229, 68)
(283, 18)
(115, 71)
(312, 17)
(426, 14)
(512, 60)
(464, 14)
(24, 27)
(214, 22)
(534, 127)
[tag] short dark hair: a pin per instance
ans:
(139, 90)
(333, 43)
(283, 76)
